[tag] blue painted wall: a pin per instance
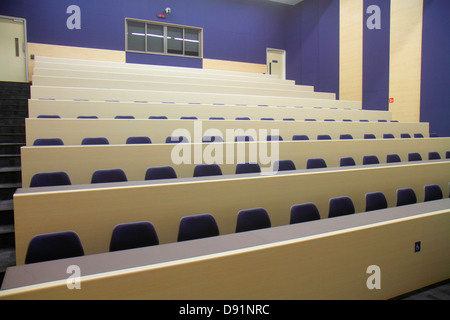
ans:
(313, 44)
(435, 93)
(376, 58)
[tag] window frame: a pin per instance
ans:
(165, 27)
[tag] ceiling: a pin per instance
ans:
(291, 2)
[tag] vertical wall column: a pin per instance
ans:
(405, 59)
(351, 50)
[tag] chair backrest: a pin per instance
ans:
(98, 140)
(158, 117)
(133, 235)
(216, 118)
(288, 119)
(242, 118)
(434, 156)
(347, 161)
(252, 219)
(50, 179)
(369, 136)
(189, 118)
(247, 168)
(207, 139)
(340, 206)
(433, 192)
(197, 226)
(414, 156)
(345, 137)
(267, 119)
(323, 137)
(48, 116)
(53, 246)
(393, 158)
(87, 117)
(300, 137)
(405, 135)
(375, 201)
(203, 170)
(447, 154)
(138, 140)
(165, 172)
(406, 196)
(304, 212)
(418, 135)
(124, 117)
(48, 142)
(316, 163)
(274, 138)
(388, 136)
(177, 139)
(243, 138)
(108, 175)
(283, 165)
(370, 160)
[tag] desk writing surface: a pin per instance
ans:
(25, 275)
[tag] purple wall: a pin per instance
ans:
(435, 93)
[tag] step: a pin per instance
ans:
(7, 190)
(13, 104)
(10, 147)
(12, 137)
(16, 121)
(6, 212)
(12, 128)
(10, 160)
(10, 174)
(13, 113)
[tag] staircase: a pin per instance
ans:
(13, 111)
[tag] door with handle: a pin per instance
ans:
(13, 53)
(276, 63)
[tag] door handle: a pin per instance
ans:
(17, 46)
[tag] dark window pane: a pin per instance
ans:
(174, 40)
(155, 38)
(192, 42)
(136, 36)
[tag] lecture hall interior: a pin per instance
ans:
(225, 150)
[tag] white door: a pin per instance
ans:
(276, 62)
(13, 55)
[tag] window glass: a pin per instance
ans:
(174, 40)
(191, 42)
(155, 38)
(136, 36)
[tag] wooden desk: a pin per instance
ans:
(324, 259)
(93, 210)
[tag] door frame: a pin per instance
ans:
(25, 41)
(284, 60)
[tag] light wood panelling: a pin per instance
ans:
(234, 66)
(405, 59)
(351, 47)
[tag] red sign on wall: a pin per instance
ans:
(391, 100)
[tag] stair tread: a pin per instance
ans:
(10, 169)
(6, 205)
(10, 185)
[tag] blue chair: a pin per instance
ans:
(414, 156)
(242, 118)
(283, 165)
(303, 213)
(347, 120)
(48, 142)
(347, 162)
(405, 135)
(434, 156)
(267, 119)
(370, 160)
(177, 139)
(208, 139)
(323, 137)
(50, 179)
(47, 116)
(300, 137)
(388, 136)
(204, 170)
(390, 158)
(242, 168)
(99, 140)
(375, 201)
(288, 119)
(274, 138)
(329, 120)
(316, 163)
(340, 206)
(433, 192)
(369, 136)
(158, 117)
(310, 119)
(197, 227)
(165, 172)
(87, 117)
(133, 235)
(346, 137)
(406, 196)
(216, 118)
(363, 120)
(189, 118)
(138, 140)
(124, 117)
(447, 155)
(418, 135)
(53, 246)
(109, 175)
(243, 138)
(252, 219)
